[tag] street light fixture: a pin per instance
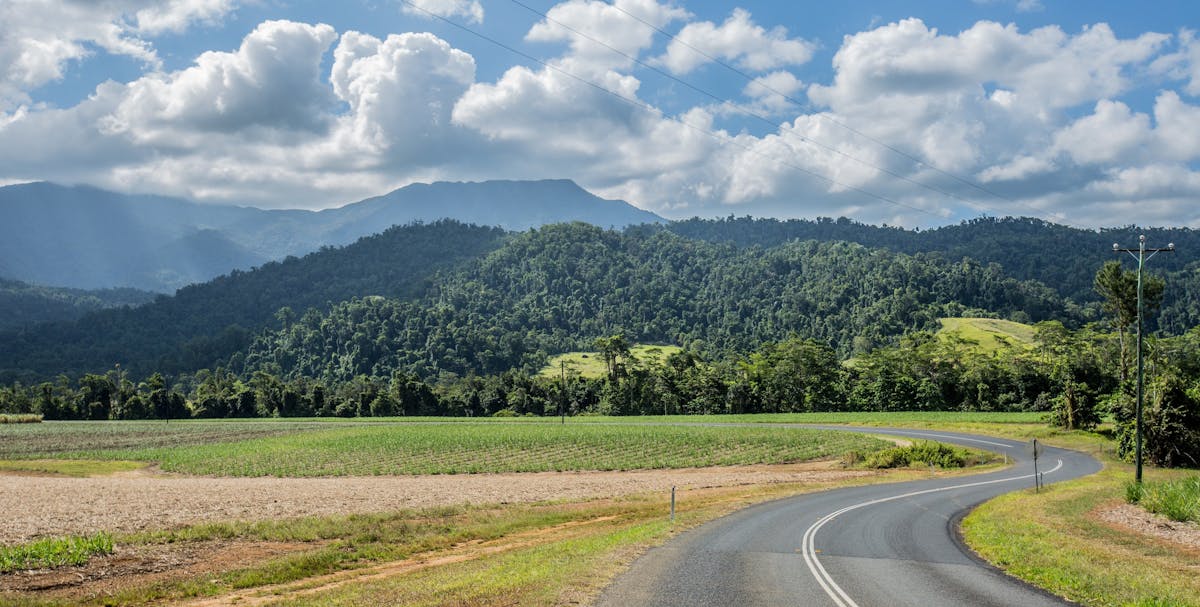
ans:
(1140, 255)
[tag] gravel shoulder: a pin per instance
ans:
(38, 506)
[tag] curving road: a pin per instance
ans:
(881, 545)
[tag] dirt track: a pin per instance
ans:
(37, 506)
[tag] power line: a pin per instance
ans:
(645, 106)
(825, 117)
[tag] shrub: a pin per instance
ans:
(923, 452)
(1170, 424)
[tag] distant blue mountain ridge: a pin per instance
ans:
(88, 238)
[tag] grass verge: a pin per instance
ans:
(1054, 540)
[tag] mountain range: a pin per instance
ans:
(88, 238)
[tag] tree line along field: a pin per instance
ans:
(319, 449)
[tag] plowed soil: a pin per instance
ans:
(38, 506)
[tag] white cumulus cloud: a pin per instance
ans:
(740, 40)
(603, 35)
(298, 115)
(401, 91)
(39, 38)
(273, 80)
(472, 10)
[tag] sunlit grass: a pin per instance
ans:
(20, 418)
(988, 334)
(70, 467)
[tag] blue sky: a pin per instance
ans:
(914, 113)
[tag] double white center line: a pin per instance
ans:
(808, 549)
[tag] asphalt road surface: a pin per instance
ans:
(882, 545)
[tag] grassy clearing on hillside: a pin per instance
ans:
(591, 364)
(490, 447)
(990, 334)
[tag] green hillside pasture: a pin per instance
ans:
(379, 449)
(989, 334)
(591, 364)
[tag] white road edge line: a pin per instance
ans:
(808, 546)
(961, 438)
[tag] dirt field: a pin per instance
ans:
(37, 506)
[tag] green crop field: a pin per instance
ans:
(27, 441)
(591, 364)
(428, 448)
(989, 334)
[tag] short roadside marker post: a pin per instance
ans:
(1036, 451)
(672, 503)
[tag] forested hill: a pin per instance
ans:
(1061, 257)
(26, 305)
(560, 287)
(203, 324)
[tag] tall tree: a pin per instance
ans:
(613, 348)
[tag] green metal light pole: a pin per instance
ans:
(1140, 255)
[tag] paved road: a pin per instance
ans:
(883, 545)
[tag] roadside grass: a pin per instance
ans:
(591, 364)
(70, 467)
(54, 552)
(479, 448)
(989, 334)
(1054, 540)
(1177, 499)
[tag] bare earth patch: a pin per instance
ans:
(138, 565)
(54, 506)
(1139, 520)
